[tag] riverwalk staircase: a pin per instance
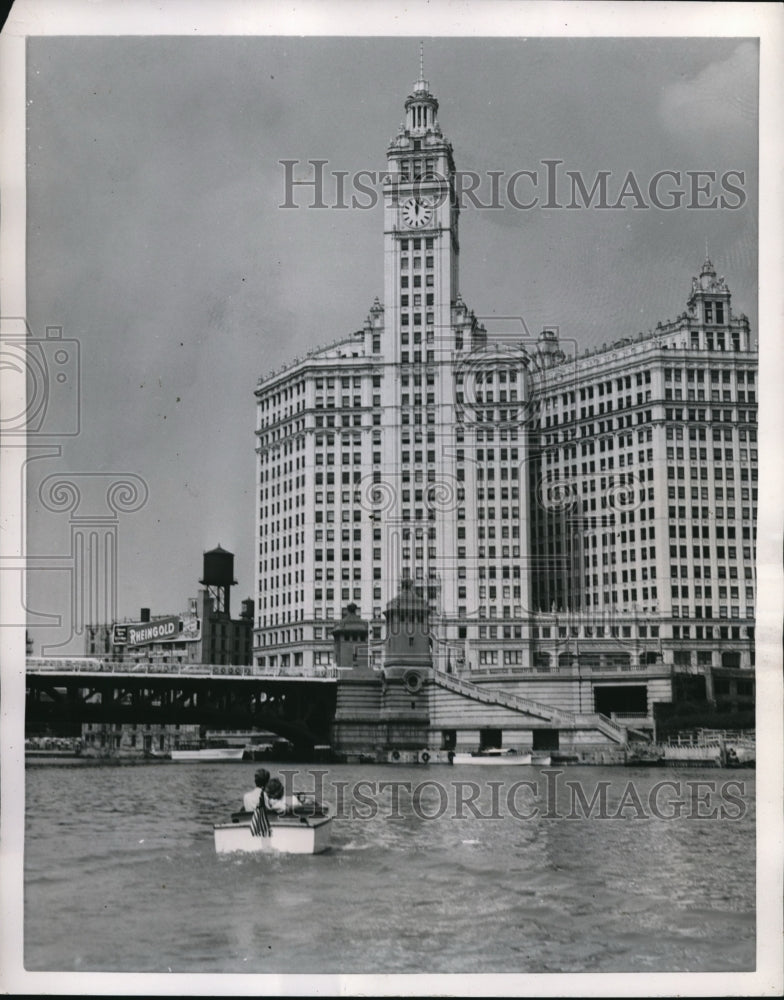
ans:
(558, 718)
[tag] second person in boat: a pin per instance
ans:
(276, 799)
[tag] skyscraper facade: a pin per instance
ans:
(643, 478)
(559, 512)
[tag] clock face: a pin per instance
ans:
(417, 212)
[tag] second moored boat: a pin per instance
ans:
(509, 757)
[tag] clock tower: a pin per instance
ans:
(421, 246)
(422, 315)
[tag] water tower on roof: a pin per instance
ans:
(218, 578)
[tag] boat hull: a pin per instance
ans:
(692, 756)
(211, 754)
(290, 835)
(494, 760)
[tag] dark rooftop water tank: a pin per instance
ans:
(218, 568)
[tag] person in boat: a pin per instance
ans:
(275, 798)
(251, 799)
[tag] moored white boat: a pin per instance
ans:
(508, 757)
(191, 754)
(297, 834)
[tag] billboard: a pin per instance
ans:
(171, 629)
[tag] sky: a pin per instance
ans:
(155, 239)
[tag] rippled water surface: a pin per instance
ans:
(121, 875)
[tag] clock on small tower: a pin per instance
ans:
(417, 212)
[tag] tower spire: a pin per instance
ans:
(707, 267)
(422, 85)
(421, 105)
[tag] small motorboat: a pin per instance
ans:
(304, 830)
(509, 757)
(541, 759)
(190, 753)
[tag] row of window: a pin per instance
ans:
(741, 396)
(416, 300)
(699, 592)
(623, 440)
(346, 402)
(708, 310)
(282, 395)
(704, 553)
(716, 396)
(416, 243)
(721, 376)
(712, 513)
(712, 632)
(489, 376)
(699, 611)
(716, 416)
(672, 432)
(346, 594)
(419, 169)
(694, 375)
(627, 576)
(416, 262)
(716, 340)
(703, 493)
(494, 632)
(346, 420)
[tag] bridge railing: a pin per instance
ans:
(89, 664)
(318, 670)
(63, 664)
(506, 698)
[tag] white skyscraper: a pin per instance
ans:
(564, 517)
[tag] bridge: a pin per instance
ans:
(83, 689)
(345, 708)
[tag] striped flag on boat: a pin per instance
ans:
(259, 823)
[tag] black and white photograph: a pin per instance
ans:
(391, 492)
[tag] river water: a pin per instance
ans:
(121, 873)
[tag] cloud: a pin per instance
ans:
(720, 99)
